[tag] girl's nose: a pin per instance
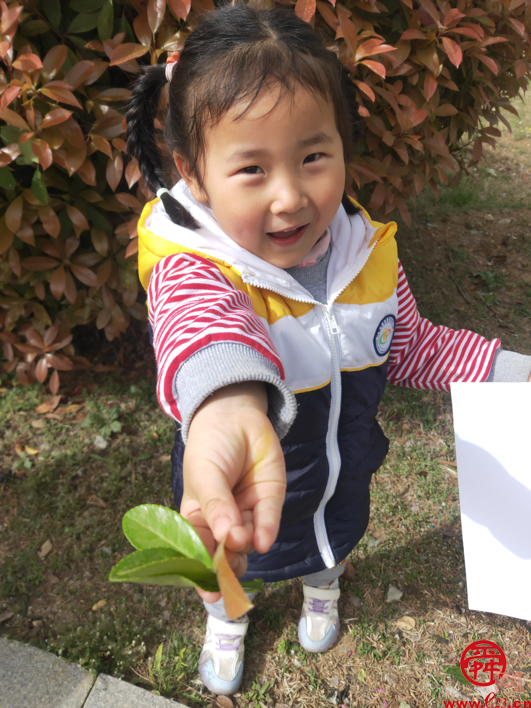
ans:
(288, 197)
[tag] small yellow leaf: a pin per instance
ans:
(31, 450)
(236, 601)
(406, 623)
(99, 605)
(45, 549)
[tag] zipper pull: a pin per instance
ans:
(331, 318)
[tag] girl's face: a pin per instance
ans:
(275, 176)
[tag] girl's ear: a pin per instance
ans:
(198, 193)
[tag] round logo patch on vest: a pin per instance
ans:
(384, 335)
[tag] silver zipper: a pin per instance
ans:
(332, 445)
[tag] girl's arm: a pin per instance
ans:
(427, 356)
(220, 376)
(234, 474)
(206, 335)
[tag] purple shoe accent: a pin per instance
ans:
(224, 639)
(319, 605)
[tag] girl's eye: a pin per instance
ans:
(253, 170)
(312, 158)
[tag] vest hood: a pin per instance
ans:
(352, 238)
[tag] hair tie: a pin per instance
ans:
(162, 191)
(171, 63)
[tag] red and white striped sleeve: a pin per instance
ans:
(191, 305)
(427, 356)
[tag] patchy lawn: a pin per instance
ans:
(69, 472)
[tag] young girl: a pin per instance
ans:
(279, 311)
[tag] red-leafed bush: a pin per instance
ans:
(433, 77)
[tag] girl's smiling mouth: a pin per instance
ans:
(288, 237)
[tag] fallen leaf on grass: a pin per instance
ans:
(99, 605)
(45, 549)
(38, 424)
(165, 458)
(72, 408)
(96, 501)
(235, 600)
(406, 623)
(5, 616)
(52, 416)
(30, 450)
(224, 702)
(52, 579)
(349, 573)
(18, 448)
(49, 405)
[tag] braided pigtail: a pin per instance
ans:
(140, 117)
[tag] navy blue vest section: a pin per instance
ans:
(362, 446)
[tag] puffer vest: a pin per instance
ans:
(335, 360)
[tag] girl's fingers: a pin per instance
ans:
(216, 502)
(267, 513)
(208, 596)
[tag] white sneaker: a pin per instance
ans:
(319, 621)
(221, 660)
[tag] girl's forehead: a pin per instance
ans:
(278, 103)
(275, 124)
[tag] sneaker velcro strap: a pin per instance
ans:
(321, 593)
(234, 628)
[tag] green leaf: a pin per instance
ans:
(124, 26)
(9, 134)
(7, 181)
(52, 10)
(456, 673)
(144, 456)
(158, 658)
(106, 21)
(97, 219)
(27, 157)
(154, 526)
(84, 22)
(164, 566)
(32, 28)
(252, 585)
(78, 41)
(85, 5)
(39, 188)
(116, 426)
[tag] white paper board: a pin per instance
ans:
(492, 423)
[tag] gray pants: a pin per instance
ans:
(315, 580)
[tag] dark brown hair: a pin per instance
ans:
(234, 54)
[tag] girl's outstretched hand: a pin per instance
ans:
(234, 474)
